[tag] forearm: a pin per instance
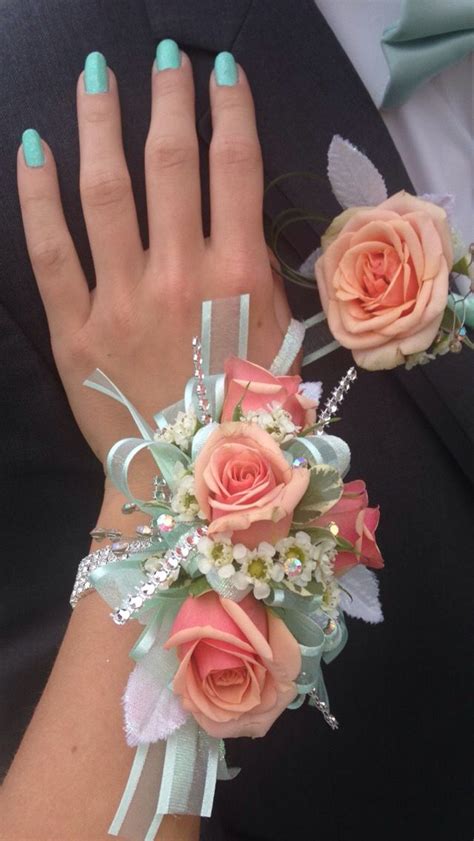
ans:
(71, 768)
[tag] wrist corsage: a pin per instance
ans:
(256, 549)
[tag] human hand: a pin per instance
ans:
(138, 322)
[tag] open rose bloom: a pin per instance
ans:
(238, 663)
(245, 486)
(383, 278)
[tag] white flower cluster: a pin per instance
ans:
(181, 432)
(183, 502)
(274, 420)
(293, 562)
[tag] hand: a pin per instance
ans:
(138, 322)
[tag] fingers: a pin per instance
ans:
(172, 157)
(235, 162)
(61, 281)
(105, 185)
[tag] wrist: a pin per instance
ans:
(112, 516)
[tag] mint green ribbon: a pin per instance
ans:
(429, 36)
(188, 764)
(315, 645)
(321, 449)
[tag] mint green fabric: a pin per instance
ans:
(429, 36)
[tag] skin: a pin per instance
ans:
(70, 770)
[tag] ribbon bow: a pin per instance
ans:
(429, 36)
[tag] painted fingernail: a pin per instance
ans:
(32, 148)
(96, 79)
(225, 69)
(168, 56)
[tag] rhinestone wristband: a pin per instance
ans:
(100, 557)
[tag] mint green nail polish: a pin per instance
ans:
(96, 78)
(168, 56)
(225, 69)
(32, 148)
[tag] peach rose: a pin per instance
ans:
(237, 664)
(263, 390)
(383, 278)
(244, 484)
(357, 523)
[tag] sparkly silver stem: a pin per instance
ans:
(160, 578)
(203, 402)
(337, 396)
(324, 709)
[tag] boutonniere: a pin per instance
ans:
(387, 268)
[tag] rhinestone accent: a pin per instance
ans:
(335, 399)
(166, 522)
(324, 709)
(163, 576)
(99, 558)
(293, 567)
(203, 402)
(143, 530)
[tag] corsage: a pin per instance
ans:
(256, 549)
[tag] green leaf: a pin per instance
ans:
(462, 266)
(314, 587)
(324, 490)
(199, 586)
(238, 414)
(317, 533)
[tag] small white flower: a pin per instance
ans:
(302, 560)
(257, 568)
(216, 554)
(183, 501)
(181, 432)
(274, 420)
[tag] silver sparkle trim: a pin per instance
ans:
(323, 708)
(203, 402)
(336, 398)
(290, 348)
(160, 578)
(99, 558)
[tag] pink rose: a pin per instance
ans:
(357, 523)
(263, 390)
(237, 664)
(383, 278)
(244, 484)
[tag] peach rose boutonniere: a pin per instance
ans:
(395, 280)
(383, 279)
(237, 664)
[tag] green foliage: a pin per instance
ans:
(324, 490)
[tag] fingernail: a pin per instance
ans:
(96, 78)
(32, 148)
(168, 56)
(225, 69)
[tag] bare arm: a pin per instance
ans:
(69, 773)
(71, 768)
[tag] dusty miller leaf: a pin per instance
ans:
(324, 490)
(355, 181)
(363, 601)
